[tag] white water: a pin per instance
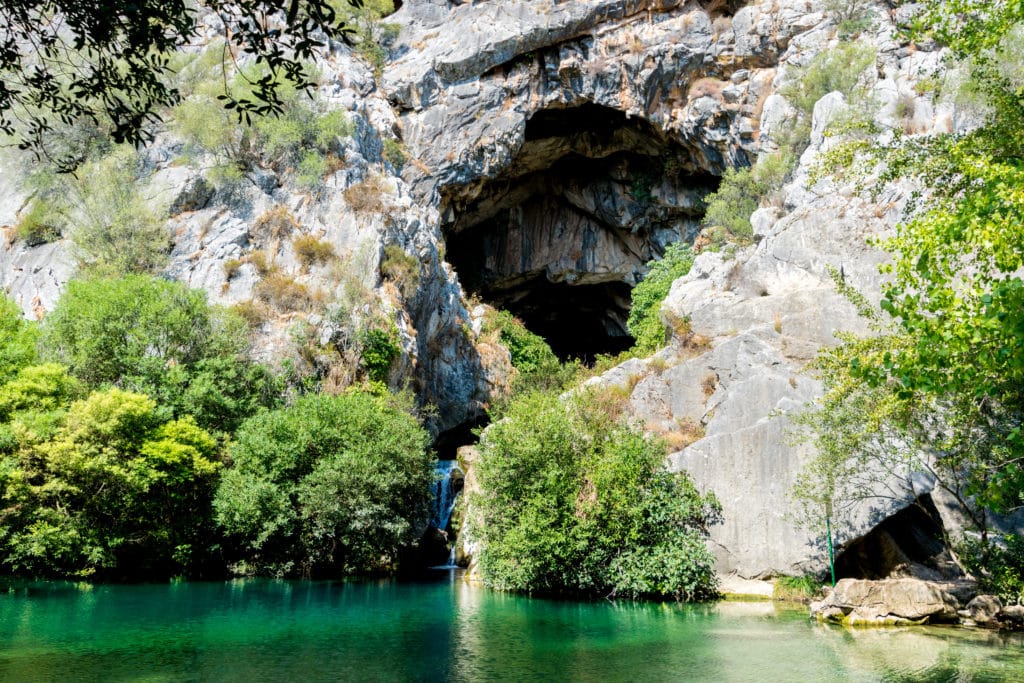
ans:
(444, 494)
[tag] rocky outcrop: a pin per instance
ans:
(893, 602)
(553, 148)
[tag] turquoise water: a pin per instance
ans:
(444, 629)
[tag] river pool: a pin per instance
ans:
(442, 629)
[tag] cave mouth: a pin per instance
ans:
(908, 543)
(562, 234)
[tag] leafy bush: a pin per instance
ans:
(742, 191)
(114, 226)
(39, 388)
(998, 566)
(644, 323)
(538, 366)
(38, 225)
(160, 338)
(332, 483)
(300, 139)
(18, 339)
(379, 350)
(574, 502)
(118, 491)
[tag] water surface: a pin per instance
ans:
(444, 629)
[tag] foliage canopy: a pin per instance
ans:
(330, 483)
(106, 62)
(573, 502)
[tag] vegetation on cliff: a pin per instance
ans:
(941, 387)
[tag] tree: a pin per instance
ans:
(18, 339)
(574, 502)
(63, 60)
(117, 491)
(330, 484)
(942, 388)
(160, 338)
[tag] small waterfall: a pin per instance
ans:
(444, 494)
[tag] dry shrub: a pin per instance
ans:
(231, 267)
(708, 384)
(401, 268)
(253, 312)
(707, 87)
(263, 263)
(687, 432)
(274, 223)
(310, 250)
(367, 196)
(284, 293)
(692, 344)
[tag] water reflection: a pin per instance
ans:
(446, 629)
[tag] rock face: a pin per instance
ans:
(553, 149)
(892, 602)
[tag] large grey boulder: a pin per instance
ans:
(893, 601)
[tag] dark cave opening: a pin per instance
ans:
(908, 543)
(560, 237)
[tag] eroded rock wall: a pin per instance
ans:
(689, 89)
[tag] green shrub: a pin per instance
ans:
(401, 268)
(394, 153)
(644, 322)
(539, 368)
(300, 140)
(998, 566)
(851, 16)
(114, 226)
(529, 352)
(118, 492)
(38, 225)
(18, 339)
(332, 483)
(742, 191)
(311, 170)
(574, 502)
(838, 69)
(160, 338)
(379, 350)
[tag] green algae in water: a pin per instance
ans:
(447, 630)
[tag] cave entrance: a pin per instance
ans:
(560, 236)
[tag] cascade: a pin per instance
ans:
(446, 490)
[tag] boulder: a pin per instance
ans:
(893, 602)
(983, 609)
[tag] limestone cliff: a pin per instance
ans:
(553, 149)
